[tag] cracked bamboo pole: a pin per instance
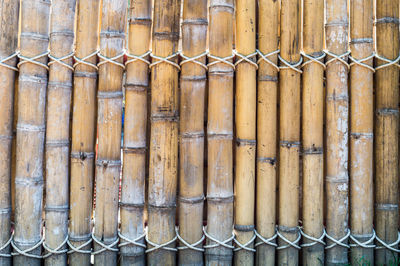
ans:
(267, 113)
(220, 133)
(135, 125)
(83, 130)
(193, 84)
(164, 132)
(361, 128)
(246, 107)
(289, 131)
(337, 113)
(387, 129)
(109, 118)
(313, 133)
(57, 127)
(9, 14)
(34, 42)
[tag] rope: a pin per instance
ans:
(338, 242)
(389, 246)
(289, 243)
(264, 57)
(224, 60)
(112, 60)
(104, 246)
(4, 60)
(160, 246)
(319, 240)
(164, 60)
(194, 59)
(133, 58)
(312, 59)
(288, 65)
(133, 242)
(188, 245)
(59, 60)
(341, 58)
(5, 246)
(245, 58)
(246, 245)
(361, 63)
(365, 244)
(55, 251)
(79, 248)
(387, 61)
(265, 241)
(84, 62)
(25, 252)
(32, 60)
(218, 243)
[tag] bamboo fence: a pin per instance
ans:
(203, 132)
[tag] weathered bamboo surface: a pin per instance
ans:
(9, 12)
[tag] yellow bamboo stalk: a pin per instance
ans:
(387, 129)
(337, 110)
(246, 106)
(109, 118)
(9, 14)
(289, 131)
(31, 128)
(57, 127)
(361, 126)
(164, 132)
(83, 129)
(135, 125)
(193, 84)
(220, 133)
(268, 18)
(313, 134)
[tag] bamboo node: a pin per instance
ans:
(84, 62)
(6, 137)
(314, 240)
(341, 58)
(160, 246)
(194, 59)
(188, 245)
(288, 65)
(265, 241)
(105, 247)
(4, 60)
(338, 242)
(31, 128)
(223, 60)
(312, 59)
(109, 94)
(361, 63)
(365, 244)
(112, 60)
(246, 58)
(33, 60)
(82, 155)
(218, 243)
(388, 246)
(246, 245)
(58, 250)
(108, 163)
(265, 58)
(167, 59)
(79, 249)
(289, 243)
(133, 58)
(388, 62)
(387, 20)
(7, 244)
(59, 60)
(134, 242)
(25, 252)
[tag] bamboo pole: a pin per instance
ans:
(289, 131)
(9, 13)
(337, 112)
(268, 19)
(192, 97)
(83, 129)
(31, 128)
(164, 132)
(387, 129)
(246, 106)
(220, 133)
(135, 125)
(57, 127)
(361, 126)
(313, 134)
(109, 118)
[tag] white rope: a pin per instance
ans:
(5, 246)
(188, 245)
(160, 246)
(341, 58)
(312, 59)
(289, 243)
(59, 60)
(245, 58)
(389, 246)
(134, 242)
(165, 60)
(133, 58)
(314, 240)
(112, 60)
(79, 248)
(218, 243)
(56, 251)
(25, 252)
(264, 57)
(104, 246)
(266, 241)
(246, 245)
(288, 65)
(361, 63)
(387, 61)
(84, 62)
(338, 242)
(32, 60)
(224, 60)
(366, 244)
(4, 60)
(194, 59)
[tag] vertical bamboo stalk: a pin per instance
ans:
(313, 133)
(9, 14)
(193, 83)
(57, 127)
(268, 18)
(220, 133)
(83, 129)
(361, 126)
(109, 118)
(289, 131)
(387, 128)
(164, 132)
(135, 125)
(31, 128)
(246, 108)
(337, 112)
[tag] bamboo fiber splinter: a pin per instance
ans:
(9, 11)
